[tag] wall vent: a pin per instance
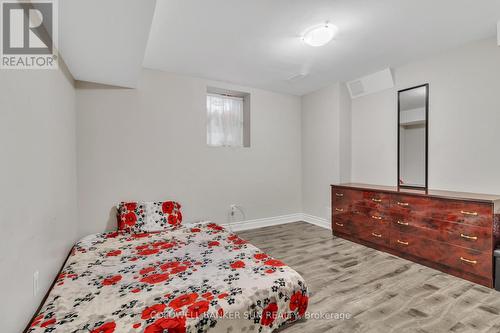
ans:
(371, 83)
(356, 88)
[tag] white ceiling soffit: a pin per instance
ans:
(257, 43)
(104, 41)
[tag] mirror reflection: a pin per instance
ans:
(413, 111)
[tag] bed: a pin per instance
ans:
(194, 278)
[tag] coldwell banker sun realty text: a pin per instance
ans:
(29, 34)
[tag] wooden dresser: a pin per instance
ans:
(453, 232)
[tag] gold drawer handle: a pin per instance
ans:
(404, 204)
(376, 200)
(339, 194)
(376, 235)
(401, 242)
(468, 213)
(339, 209)
(403, 223)
(339, 224)
(468, 237)
(376, 217)
(468, 261)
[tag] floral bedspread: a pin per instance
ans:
(198, 278)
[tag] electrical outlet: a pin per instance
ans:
(35, 283)
(233, 209)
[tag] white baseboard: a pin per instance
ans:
(318, 221)
(276, 220)
(264, 222)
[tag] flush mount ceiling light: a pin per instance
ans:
(320, 35)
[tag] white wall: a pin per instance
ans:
(320, 149)
(37, 186)
(374, 139)
(150, 144)
(326, 140)
(345, 141)
(464, 121)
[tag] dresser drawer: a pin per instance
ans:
(341, 211)
(401, 241)
(469, 261)
(373, 233)
(479, 214)
(345, 197)
(476, 238)
(351, 223)
(376, 200)
(378, 216)
(455, 257)
(366, 217)
(407, 204)
(343, 225)
(405, 222)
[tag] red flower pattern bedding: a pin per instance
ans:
(196, 278)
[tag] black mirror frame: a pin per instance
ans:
(426, 137)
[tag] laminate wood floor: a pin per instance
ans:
(381, 292)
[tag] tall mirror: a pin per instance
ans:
(413, 111)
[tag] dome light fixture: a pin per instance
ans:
(320, 35)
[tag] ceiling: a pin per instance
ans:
(104, 41)
(257, 43)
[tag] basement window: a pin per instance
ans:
(228, 118)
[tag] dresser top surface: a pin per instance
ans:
(431, 193)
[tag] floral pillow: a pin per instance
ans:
(162, 215)
(131, 216)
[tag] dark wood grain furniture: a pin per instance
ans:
(450, 231)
